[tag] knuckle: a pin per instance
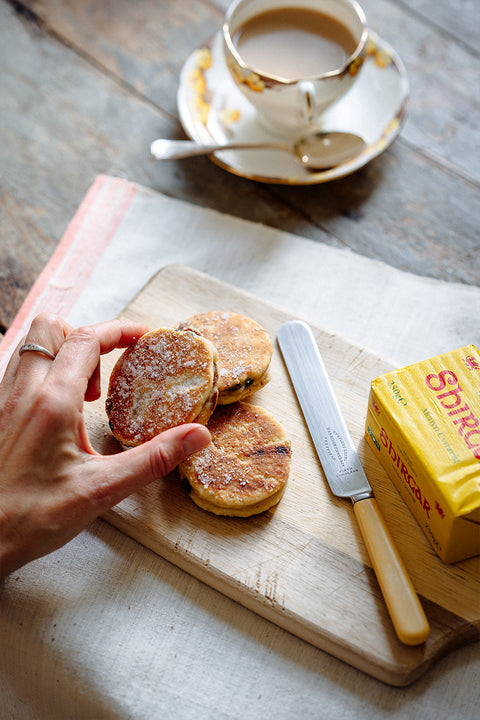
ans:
(85, 337)
(47, 321)
(163, 459)
(85, 334)
(51, 404)
(49, 330)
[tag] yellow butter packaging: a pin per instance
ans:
(423, 422)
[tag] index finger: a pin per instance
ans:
(77, 361)
(111, 335)
(118, 334)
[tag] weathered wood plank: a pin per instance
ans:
(456, 19)
(146, 43)
(62, 123)
(142, 43)
(443, 119)
(404, 210)
(67, 115)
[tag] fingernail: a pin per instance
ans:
(195, 440)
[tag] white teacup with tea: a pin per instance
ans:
(292, 59)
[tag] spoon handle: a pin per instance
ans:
(178, 149)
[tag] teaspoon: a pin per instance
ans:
(317, 152)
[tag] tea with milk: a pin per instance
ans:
(294, 43)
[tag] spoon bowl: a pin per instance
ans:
(319, 151)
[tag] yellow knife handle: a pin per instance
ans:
(406, 612)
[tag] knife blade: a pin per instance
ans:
(346, 477)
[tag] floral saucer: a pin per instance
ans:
(213, 110)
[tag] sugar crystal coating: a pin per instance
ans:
(164, 380)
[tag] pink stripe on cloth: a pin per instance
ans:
(88, 235)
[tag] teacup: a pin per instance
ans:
(292, 59)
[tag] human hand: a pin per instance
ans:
(52, 482)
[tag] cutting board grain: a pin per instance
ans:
(303, 565)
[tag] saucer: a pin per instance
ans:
(213, 110)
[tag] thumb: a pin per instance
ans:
(131, 470)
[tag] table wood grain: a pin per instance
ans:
(86, 86)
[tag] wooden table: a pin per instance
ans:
(85, 87)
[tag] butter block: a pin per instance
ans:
(423, 423)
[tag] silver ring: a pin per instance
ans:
(36, 348)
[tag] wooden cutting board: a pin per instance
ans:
(303, 565)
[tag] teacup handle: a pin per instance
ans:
(307, 90)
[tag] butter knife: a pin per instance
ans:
(346, 477)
